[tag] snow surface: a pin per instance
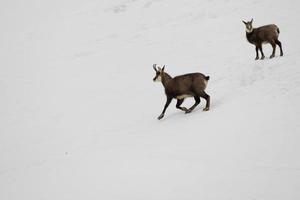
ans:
(78, 107)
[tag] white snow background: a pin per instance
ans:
(78, 107)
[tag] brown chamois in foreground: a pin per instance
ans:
(261, 35)
(180, 87)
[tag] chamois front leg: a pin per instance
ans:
(257, 56)
(261, 52)
(169, 99)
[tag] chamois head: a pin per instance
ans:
(159, 73)
(249, 27)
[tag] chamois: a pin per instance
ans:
(263, 34)
(180, 87)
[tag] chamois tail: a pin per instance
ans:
(206, 78)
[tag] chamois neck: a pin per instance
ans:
(249, 33)
(166, 78)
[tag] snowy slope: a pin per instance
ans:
(78, 106)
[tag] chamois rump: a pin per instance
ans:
(264, 34)
(181, 87)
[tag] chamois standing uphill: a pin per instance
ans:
(261, 35)
(181, 87)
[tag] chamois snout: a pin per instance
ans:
(157, 78)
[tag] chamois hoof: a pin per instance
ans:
(205, 109)
(184, 109)
(281, 54)
(188, 111)
(256, 58)
(160, 116)
(262, 58)
(272, 56)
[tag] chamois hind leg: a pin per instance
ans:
(256, 49)
(197, 101)
(274, 49)
(207, 98)
(261, 51)
(279, 44)
(179, 102)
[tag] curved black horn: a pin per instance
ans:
(154, 67)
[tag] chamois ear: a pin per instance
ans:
(251, 20)
(154, 67)
(163, 68)
(244, 22)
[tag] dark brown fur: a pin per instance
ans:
(264, 34)
(180, 87)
